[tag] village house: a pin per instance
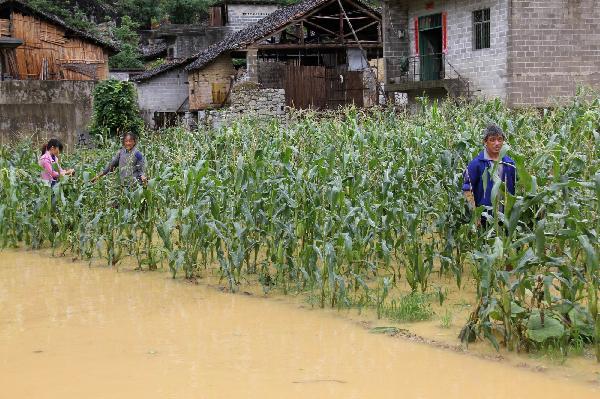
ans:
(316, 50)
(163, 90)
(37, 45)
(525, 52)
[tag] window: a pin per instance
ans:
(481, 29)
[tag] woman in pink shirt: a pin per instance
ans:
(51, 169)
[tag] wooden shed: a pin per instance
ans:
(37, 45)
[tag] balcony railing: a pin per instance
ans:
(428, 68)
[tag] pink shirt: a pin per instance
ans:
(49, 173)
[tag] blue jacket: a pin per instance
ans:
(474, 175)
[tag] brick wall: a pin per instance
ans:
(485, 69)
(164, 93)
(395, 25)
(241, 16)
(554, 46)
(202, 82)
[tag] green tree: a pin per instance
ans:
(116, 109)
(186, 11)
(142, 11)
(130, 55)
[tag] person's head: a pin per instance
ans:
(54, 147)
(129, 141)
(493, 139)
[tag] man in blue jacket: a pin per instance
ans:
(481, 169)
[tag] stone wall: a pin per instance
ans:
(485, 69)
(45, 109)
(554, 46)
(166, 92)
(243, 15)
(247, 99)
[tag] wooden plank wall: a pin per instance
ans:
(318, 87)
(45, 41)
(4, 27)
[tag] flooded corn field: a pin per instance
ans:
(70, 331)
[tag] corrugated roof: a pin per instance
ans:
(27, 9)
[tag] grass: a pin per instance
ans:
(409, 308)
(446, 319)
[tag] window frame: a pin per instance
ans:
(479, 25)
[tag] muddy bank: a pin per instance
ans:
(69, 331)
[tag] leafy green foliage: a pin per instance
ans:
(115, 109)
(348, 206)
(186, 11)
(411, 307)
(129, 57)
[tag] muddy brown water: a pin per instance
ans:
(70, 331)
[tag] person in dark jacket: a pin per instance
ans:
(480, 170)
(130, 162)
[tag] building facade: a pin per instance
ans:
(527, 53)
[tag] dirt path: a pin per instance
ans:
(69, 331)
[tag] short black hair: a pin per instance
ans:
(132, 135)
(493, 130)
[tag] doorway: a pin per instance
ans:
(430, 47)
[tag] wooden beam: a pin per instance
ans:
(349, 23)
(360, 29)
(337, 16)
(356, 5)
(317, 46)
(320, 27)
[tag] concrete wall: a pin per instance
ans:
(485, 69)
(554, 46)
(61, 109)
(164, 93)
(242, 15)
(184, 40)
(187, 45)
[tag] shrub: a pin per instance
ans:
(115, 109)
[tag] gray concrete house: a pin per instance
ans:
(525, 52)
